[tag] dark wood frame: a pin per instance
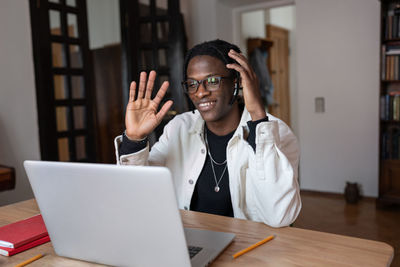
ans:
(41, 40)
(176, 45)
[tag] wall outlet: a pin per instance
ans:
(319, 105)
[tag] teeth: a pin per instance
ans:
(204, 104)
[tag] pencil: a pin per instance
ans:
(237, 254)
(29, 261)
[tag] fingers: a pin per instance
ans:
(150, 84)
(167, 105)
(243, 73)
(142, 84)
(132, 92)
(160, 94)
(242, 60)
(146, 88)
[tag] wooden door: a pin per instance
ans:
(109, 105)
(278, 64)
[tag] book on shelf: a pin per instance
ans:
(382, 107)
(22, 232)
(388, 100)
(391, 143)
(390, 65)
(12, 251)
(391, 23)
(396, 107)
(392, 49)
(396, 14)
(390, 106)
(383, 57)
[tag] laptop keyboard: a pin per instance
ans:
(194, 250)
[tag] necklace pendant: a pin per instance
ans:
(216, 189)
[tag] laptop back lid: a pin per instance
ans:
(116, 215)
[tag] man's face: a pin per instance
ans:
(213, 106)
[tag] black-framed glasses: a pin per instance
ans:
(211, 84)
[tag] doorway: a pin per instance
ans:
(276, 24)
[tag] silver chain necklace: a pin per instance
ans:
(216, 188)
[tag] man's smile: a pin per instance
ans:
(206, 105)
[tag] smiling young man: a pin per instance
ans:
(226, 157)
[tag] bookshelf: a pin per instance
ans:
(389, 129)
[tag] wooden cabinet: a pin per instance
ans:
(389, 183)
(389, 130)
(7, 178)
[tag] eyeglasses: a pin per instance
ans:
(211, 84)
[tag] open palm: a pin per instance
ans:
(141, 116)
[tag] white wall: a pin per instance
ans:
(338, 59)
(19, 133)
(103, 23)
(224, 22)
(283, 17)
(253, 26)
(207, 20)
(203, 20)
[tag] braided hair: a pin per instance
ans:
(215, 48)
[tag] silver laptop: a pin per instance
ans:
(118, 215)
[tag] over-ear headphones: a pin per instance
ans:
(236, 89)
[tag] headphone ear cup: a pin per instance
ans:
(236, 91)
(237, 87)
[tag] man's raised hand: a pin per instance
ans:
(141, 116)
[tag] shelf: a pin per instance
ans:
(263, 43)
(384, 200)
(390, 161)
(392, 41)
(389, 121)
(391, 81)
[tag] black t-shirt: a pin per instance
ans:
(204, 198)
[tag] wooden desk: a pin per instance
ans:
(291, 246)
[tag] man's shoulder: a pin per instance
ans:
(187, 120)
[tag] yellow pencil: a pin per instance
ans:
(29, 261)
(253, 246)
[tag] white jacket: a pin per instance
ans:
(263, 185)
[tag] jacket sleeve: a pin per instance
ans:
(155, 157)
(271, 185)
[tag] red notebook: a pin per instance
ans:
(22, 232)
(12, 251)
